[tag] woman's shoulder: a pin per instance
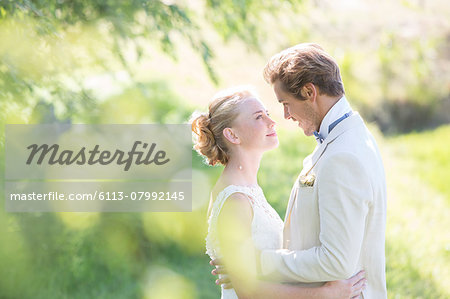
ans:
(231, 202)
(236, 192)
(237, 208)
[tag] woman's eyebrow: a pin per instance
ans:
(259, 111)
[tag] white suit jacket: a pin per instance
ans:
(336, 227)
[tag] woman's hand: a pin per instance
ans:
(345, 289)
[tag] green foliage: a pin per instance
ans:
(429, 153)
(45, 41)
(158, 20)
(49, 47)
(412, 90)
(243, 18)
(153, 102)
(280, 167)
(101, 255)
(46, 258)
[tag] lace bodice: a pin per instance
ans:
(267, 226)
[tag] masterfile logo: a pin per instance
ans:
(107, 168)
(53, 155)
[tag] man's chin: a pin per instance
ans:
(305, 131)
(308, 132)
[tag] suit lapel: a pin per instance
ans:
(343, 126)
(307, 162)
(292, 198)
(311, 160)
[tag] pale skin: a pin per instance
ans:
(251, 134)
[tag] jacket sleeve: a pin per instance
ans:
(344, 197)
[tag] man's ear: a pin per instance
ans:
(309, 91)
(230, 135)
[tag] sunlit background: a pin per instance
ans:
(136, 61)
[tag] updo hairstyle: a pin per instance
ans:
(208, 127)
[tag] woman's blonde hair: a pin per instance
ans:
(208, 127)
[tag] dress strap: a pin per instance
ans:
(231, 189)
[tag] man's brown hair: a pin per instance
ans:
(301, 64)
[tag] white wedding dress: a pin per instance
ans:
(267, 226)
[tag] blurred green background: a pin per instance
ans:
(138, 61)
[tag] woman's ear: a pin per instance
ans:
(229, 135)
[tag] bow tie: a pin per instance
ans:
(319, 137)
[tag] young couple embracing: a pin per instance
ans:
(331, 243)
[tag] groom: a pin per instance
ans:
(336, 217)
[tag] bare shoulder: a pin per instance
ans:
(238, 206)
(238, 200)
(236, 216)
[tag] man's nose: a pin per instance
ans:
(286, 113)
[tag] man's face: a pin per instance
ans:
(300, 111)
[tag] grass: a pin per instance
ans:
(418, 238)
(426, 156)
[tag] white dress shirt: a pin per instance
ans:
(338, 110)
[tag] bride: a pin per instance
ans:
(235, 133)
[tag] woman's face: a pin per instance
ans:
(254, 127)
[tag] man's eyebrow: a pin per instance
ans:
(280, 100)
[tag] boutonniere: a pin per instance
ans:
(307, 180)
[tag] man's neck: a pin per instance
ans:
(326, 103)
